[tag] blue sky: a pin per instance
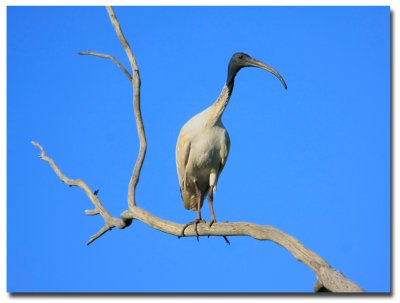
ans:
(313, 161)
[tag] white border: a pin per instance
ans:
(5, 297)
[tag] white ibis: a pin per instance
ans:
(203, 145)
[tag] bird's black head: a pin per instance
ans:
(240, 60)
(237, 62)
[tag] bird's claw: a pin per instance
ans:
(195, 222)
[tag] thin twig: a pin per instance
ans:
(105, 56)
(101, 232)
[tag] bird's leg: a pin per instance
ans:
(198, 218)
(211, 203)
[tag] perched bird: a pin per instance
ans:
(203, 144)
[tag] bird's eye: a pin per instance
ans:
(241, 57)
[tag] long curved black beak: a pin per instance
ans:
(259, 64)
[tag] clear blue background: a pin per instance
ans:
(313, 161)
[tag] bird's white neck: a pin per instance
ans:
(217, 109)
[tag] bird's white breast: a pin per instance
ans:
(206, 147)
(206, 150)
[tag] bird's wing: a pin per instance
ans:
(182, 156)
(224, 152)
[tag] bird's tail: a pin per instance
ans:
(190, 200)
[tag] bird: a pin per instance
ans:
(203, 145)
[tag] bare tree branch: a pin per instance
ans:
(136, 105)
(110, 222)
(326, 275)
(328, 279)
(105, 56)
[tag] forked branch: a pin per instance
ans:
(136, 107)
(112, 58)
(327, 277)
(135, 81)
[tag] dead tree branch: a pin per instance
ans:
(328, 278)
(110, 221)
(136, 106)
(112, 58)
(135, 81)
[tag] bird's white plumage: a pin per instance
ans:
(201, 153)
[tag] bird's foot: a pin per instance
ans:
(195, 222)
